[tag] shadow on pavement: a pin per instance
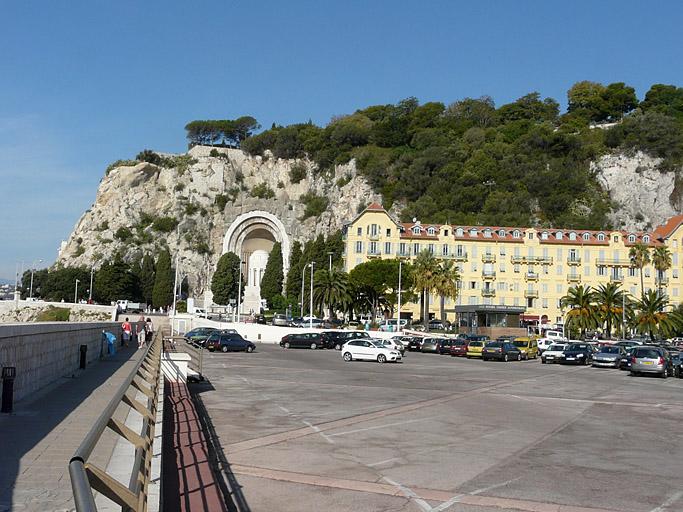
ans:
(35, 418)
(228, 483)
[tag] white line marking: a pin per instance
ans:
(284, 409)
(675, 496)
(494, 486)
(383, 461)
(447, 504)
(316, 429)
(410, 494)
(378, 426)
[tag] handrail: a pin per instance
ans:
(87, 477)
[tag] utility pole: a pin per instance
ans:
(310, 320)
(239, 293)
(92, 271)
(623, 315)
(33, 269)
(76, 292)
(398, 322)
(175, 283)
(303, 280)
(330, 255)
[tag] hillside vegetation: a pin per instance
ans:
(473, 162)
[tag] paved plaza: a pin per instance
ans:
(301, 430)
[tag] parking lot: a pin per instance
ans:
(302, 430)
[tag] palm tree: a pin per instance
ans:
(332, 289)
(446, 283)
(582, 313)
(651, 317)
(610, 300)
(661, 260)
(425, 272)
(640, 256)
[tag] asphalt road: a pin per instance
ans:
(301, 430)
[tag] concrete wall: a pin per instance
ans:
(44, 352)
(8, 305)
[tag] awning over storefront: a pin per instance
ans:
(529, 318)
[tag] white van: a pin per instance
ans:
(550, 338)
(391, 324)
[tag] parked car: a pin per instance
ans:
(553, 353)
(310, 340)
(430, 345)
(459, 347)
(332, 323)
(390, 344)
(392, 324)
(578, 353)
(501, 350)
(528, 347)
(369, 351)
(609, 356)
(677, 363)
(628, 343)
(280, 320)
(444, 345)
(306, 323)
(200, 334)
(335, 339)
(651, 359)
(474, 348)
(437, 325)
(415, 344)
(625, 362)
(229, 342)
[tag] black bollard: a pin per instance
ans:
(84, 352)
(8, 374)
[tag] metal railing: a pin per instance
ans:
(87, 477)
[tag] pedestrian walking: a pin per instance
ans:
(126, 332)
(149, 329)
(141, 337)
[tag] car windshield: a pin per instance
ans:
(520, 343)
(574, 347)
(609, 350)
(646, 353)
(495, 344)
(556, 346)
(377, 344)
(459, 343)
(476, 343)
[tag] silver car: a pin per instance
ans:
(609, 356)
(651, 360)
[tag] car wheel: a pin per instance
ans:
(665, 373)
(519, 357)
(542, 360)
(347, 356)
(381, 358)
(313, 346)
(505, 358)
(337, 346)
(287, 345)
(224, 348)
(250, 349)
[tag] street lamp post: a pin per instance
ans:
(239, 292)
(303, 278)
(92, 271)
(310, 320)
(33, 269)
(330, 256)
(398, 321)
(76, 292)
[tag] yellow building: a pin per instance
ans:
(516, 268)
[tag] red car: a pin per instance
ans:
(459, 348)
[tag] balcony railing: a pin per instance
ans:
(488, 258)
(375, 252)
(616, 279)
(611, 262)
(531, 294)
(374, 237)
(531, 276)
(662, 281)
(488, 274)
(403, 254)
(574, 278)
(488, 292)
(460, 257)
(532, 260)
(574, 260)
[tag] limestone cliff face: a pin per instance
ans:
(189, 195)
(643, 195)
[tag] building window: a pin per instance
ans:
(487, 233)
(502, 250)
(359, 247)
(558, 235)
(459, 251)
(545, 303)
(560, 270)
(674, 273)
(615, 238)
(675, 292)
(631, 238)
(416, 249)
(373, 248)
(516, 268)
(501, 233)
(431, 231)
(431, 248)
(531, 236)
(586, 237)
(572, 236)
(516, 301)
(459, 232)
(515, 234)
(586, 271)
(502, 286)
(445, 232)
(546, 269)
(473, 232)
(388, 231)
(544, 287)
(558, 288)
(444, 250)
(601, 237)
(646, 239)
(387, 247)
(530, 302)
(602, 271)
(573, 255)
(633, 290)
(502, 267)
(359, 232)
(472, 301)
(647, 272)
(374, 230)
(402, 249)
(632, 272)
(416, 230)
(473, 266)
(544, 235)
(473, 285)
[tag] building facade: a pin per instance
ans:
(517, 267)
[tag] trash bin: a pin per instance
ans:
(8, 375)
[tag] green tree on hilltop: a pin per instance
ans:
(147, 278)
(293, 282)
(273, 275)
(162, 293)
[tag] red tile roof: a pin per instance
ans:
(375, 207)
(665, 230)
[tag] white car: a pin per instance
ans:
(553, 353)
(550, 338)
(369, 351)
(391, 344)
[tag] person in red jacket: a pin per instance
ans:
(127, 331)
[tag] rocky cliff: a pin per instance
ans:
(643, 195)
(205, 194)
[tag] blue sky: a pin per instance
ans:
(84, 83)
